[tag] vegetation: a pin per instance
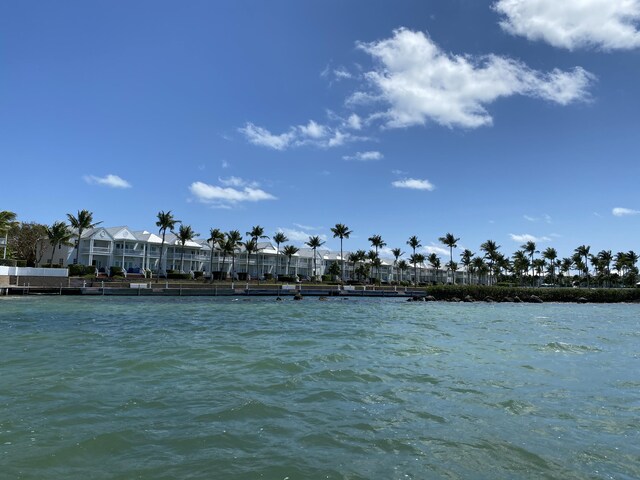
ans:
(81, 222)
(341, 231)
(165, 222)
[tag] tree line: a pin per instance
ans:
(26, 241)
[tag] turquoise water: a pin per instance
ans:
(192, 388)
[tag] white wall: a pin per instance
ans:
(34, 272)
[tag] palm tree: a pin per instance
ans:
(478, 266)
(289, 251)
(530, 249)
(551, 254)
(251, 246)
(583, 251)
(255, 234)
(434, 261)
(465, 259)
(377, 242)
(279, 238)
(314, 243)
(83, 221)
(521, 264)
(185, 234)
(605, 257)
(227, 247)
(234, 239)
(215, 238)
(355, 258)
(565, 266)
(490, 249)
(452, 242)
(397, 253)
(58, 235)
(416, 258)
(7, 220)
(341, 231)
(414, 243)
(165, 222)
(402, 266)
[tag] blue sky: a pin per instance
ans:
(505, 120)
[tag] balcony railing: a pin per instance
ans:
(96, 251)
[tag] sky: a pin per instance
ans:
(509, 120)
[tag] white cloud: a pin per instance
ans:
(530, 219)
(354, 121)
(313, 130)
(420, 82)
(312, 133)
(263, 137)
(298, 235)
(526, 237)
(237, 182)
(623, 212)
(546, 218)
(113, 181)
(227, 195)
(398, 172)
(225, 164)
(437, 250)
(572, 24)
(341, 73)
(414, 183)
(364, 156)
(306, 227)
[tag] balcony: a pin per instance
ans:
(96, 251)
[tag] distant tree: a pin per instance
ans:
(279, 238)
(435, 263)
(415, 259)
(251, 246)
(256, 234)
(289, 251)
(414, 243)
(185, 234)
(216, 236)
(583, 252)
(7, 221)
(58, 235)
(491, 255)
(27, 241)
(314, 242)
(551, 254)
(452, 242)
(234, 239)
(165, 222)
(83, 221)
(397, 253)
(402, 267)
(465, 258)
(341, 231)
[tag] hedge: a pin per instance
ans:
(558, 294)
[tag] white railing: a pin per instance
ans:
(96, 250)
(34, 272)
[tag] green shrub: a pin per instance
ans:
(21, 263)
(79, 270)
(116, 272)
(198, 274)
(326, 278)
(7, 262)
(173, 275)
(286, 278)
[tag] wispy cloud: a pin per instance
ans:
(226, 196)
(312, 133)
(113, 181)
(299, 236)
(237, 182)
(414, 183)
(573, 24)
(526, 237)
(419, 82)
(364, 156)
(433, 248)
(624, 212)
(546, 218)
(306, 227)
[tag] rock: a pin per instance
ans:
(489, 299)
(455, 299)
(583, 300)
(297, 296)
(430, 298)
(508, 299)
(535, 299)
(469, 299)
(517, 299)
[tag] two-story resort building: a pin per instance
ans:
(138, 251)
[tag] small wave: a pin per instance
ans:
(559, 347)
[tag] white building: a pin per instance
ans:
(137, 251)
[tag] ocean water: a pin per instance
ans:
(223, 388)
